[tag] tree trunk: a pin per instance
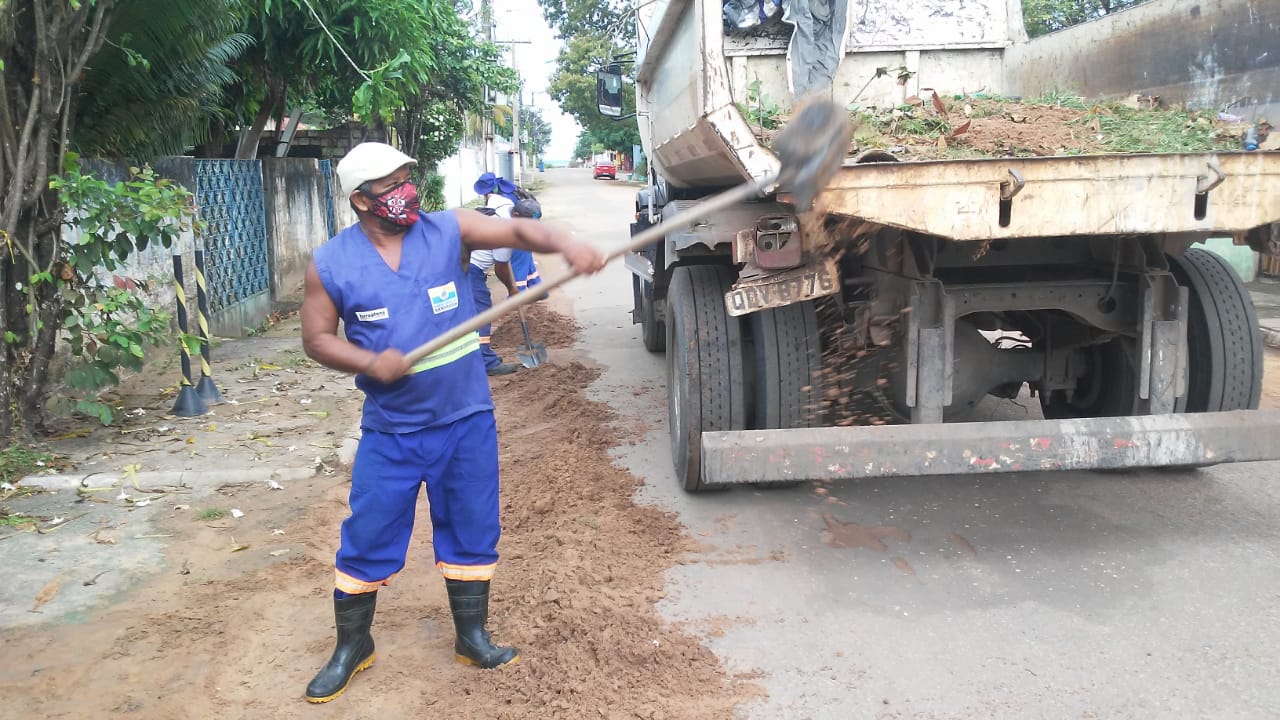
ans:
(45, 46)
(6, 358)
(248, 149)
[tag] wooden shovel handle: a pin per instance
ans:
(646, 237)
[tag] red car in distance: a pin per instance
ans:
(604, 168)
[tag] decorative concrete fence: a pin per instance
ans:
(264, 217)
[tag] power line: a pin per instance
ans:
(335, 42)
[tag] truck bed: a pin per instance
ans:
(1005, 198)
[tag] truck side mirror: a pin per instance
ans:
(609, 93)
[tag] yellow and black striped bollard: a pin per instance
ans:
(206, 389)
(189, 402)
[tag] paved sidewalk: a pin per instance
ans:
(102, 524)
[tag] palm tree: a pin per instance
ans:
(500, 115)
(159, 84)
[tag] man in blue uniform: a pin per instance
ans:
(504, 197)
(396, 279)
(523, 268)
(478, 274)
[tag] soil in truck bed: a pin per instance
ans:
(956, 127)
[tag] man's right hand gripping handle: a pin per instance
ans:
(388, 366)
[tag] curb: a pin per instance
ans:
(153, 480)
(167, 478)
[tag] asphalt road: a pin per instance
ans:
(1046, 595)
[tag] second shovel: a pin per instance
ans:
(530, 354)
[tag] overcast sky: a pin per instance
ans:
(522, 20)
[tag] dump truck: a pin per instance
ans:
(867, 337)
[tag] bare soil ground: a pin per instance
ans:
(239, 617)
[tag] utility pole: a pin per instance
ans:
(486, 19)
(516, 164)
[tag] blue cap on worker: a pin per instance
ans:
(485, 184)
(490, 183)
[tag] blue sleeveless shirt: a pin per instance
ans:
(403, 309)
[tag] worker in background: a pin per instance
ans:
(392, 280)
(523, 268)
(498, 193)
(478, 274)
(501, 196)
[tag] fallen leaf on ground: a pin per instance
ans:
(46, 594)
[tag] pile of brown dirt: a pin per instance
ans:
(545, 326)
(232, 634)
(967, 127)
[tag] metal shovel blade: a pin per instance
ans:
(530, 354)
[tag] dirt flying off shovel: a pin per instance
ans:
(809, 149)
(530, 354)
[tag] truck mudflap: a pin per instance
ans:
(847, 453)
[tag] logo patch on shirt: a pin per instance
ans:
(443, 298)
(371, 315)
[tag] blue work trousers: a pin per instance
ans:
(484, 301)
(458, 463)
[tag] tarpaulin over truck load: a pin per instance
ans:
(817, 41)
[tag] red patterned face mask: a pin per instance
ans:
(398, 206)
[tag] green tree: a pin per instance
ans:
(573, 85)
(571, 18)
(45, 48)
(1046, 16)
(157, 87)
(586, 145)
(433, 119)
(536, 129)
(591, 143)
(389, 62)
(50, 81)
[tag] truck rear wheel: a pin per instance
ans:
(704, 366)
(788, 364)
(787, 353)
(1224, 363)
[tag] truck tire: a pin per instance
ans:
(652, 330)
(787, 354)
(788, 365)
(704, 366)
(1224, 363)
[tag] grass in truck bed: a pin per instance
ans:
(956, 127)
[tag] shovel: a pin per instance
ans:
(809, 149)
(530, 354)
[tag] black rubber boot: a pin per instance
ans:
(469, 602)
(354, 652)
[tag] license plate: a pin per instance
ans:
(790, 287)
